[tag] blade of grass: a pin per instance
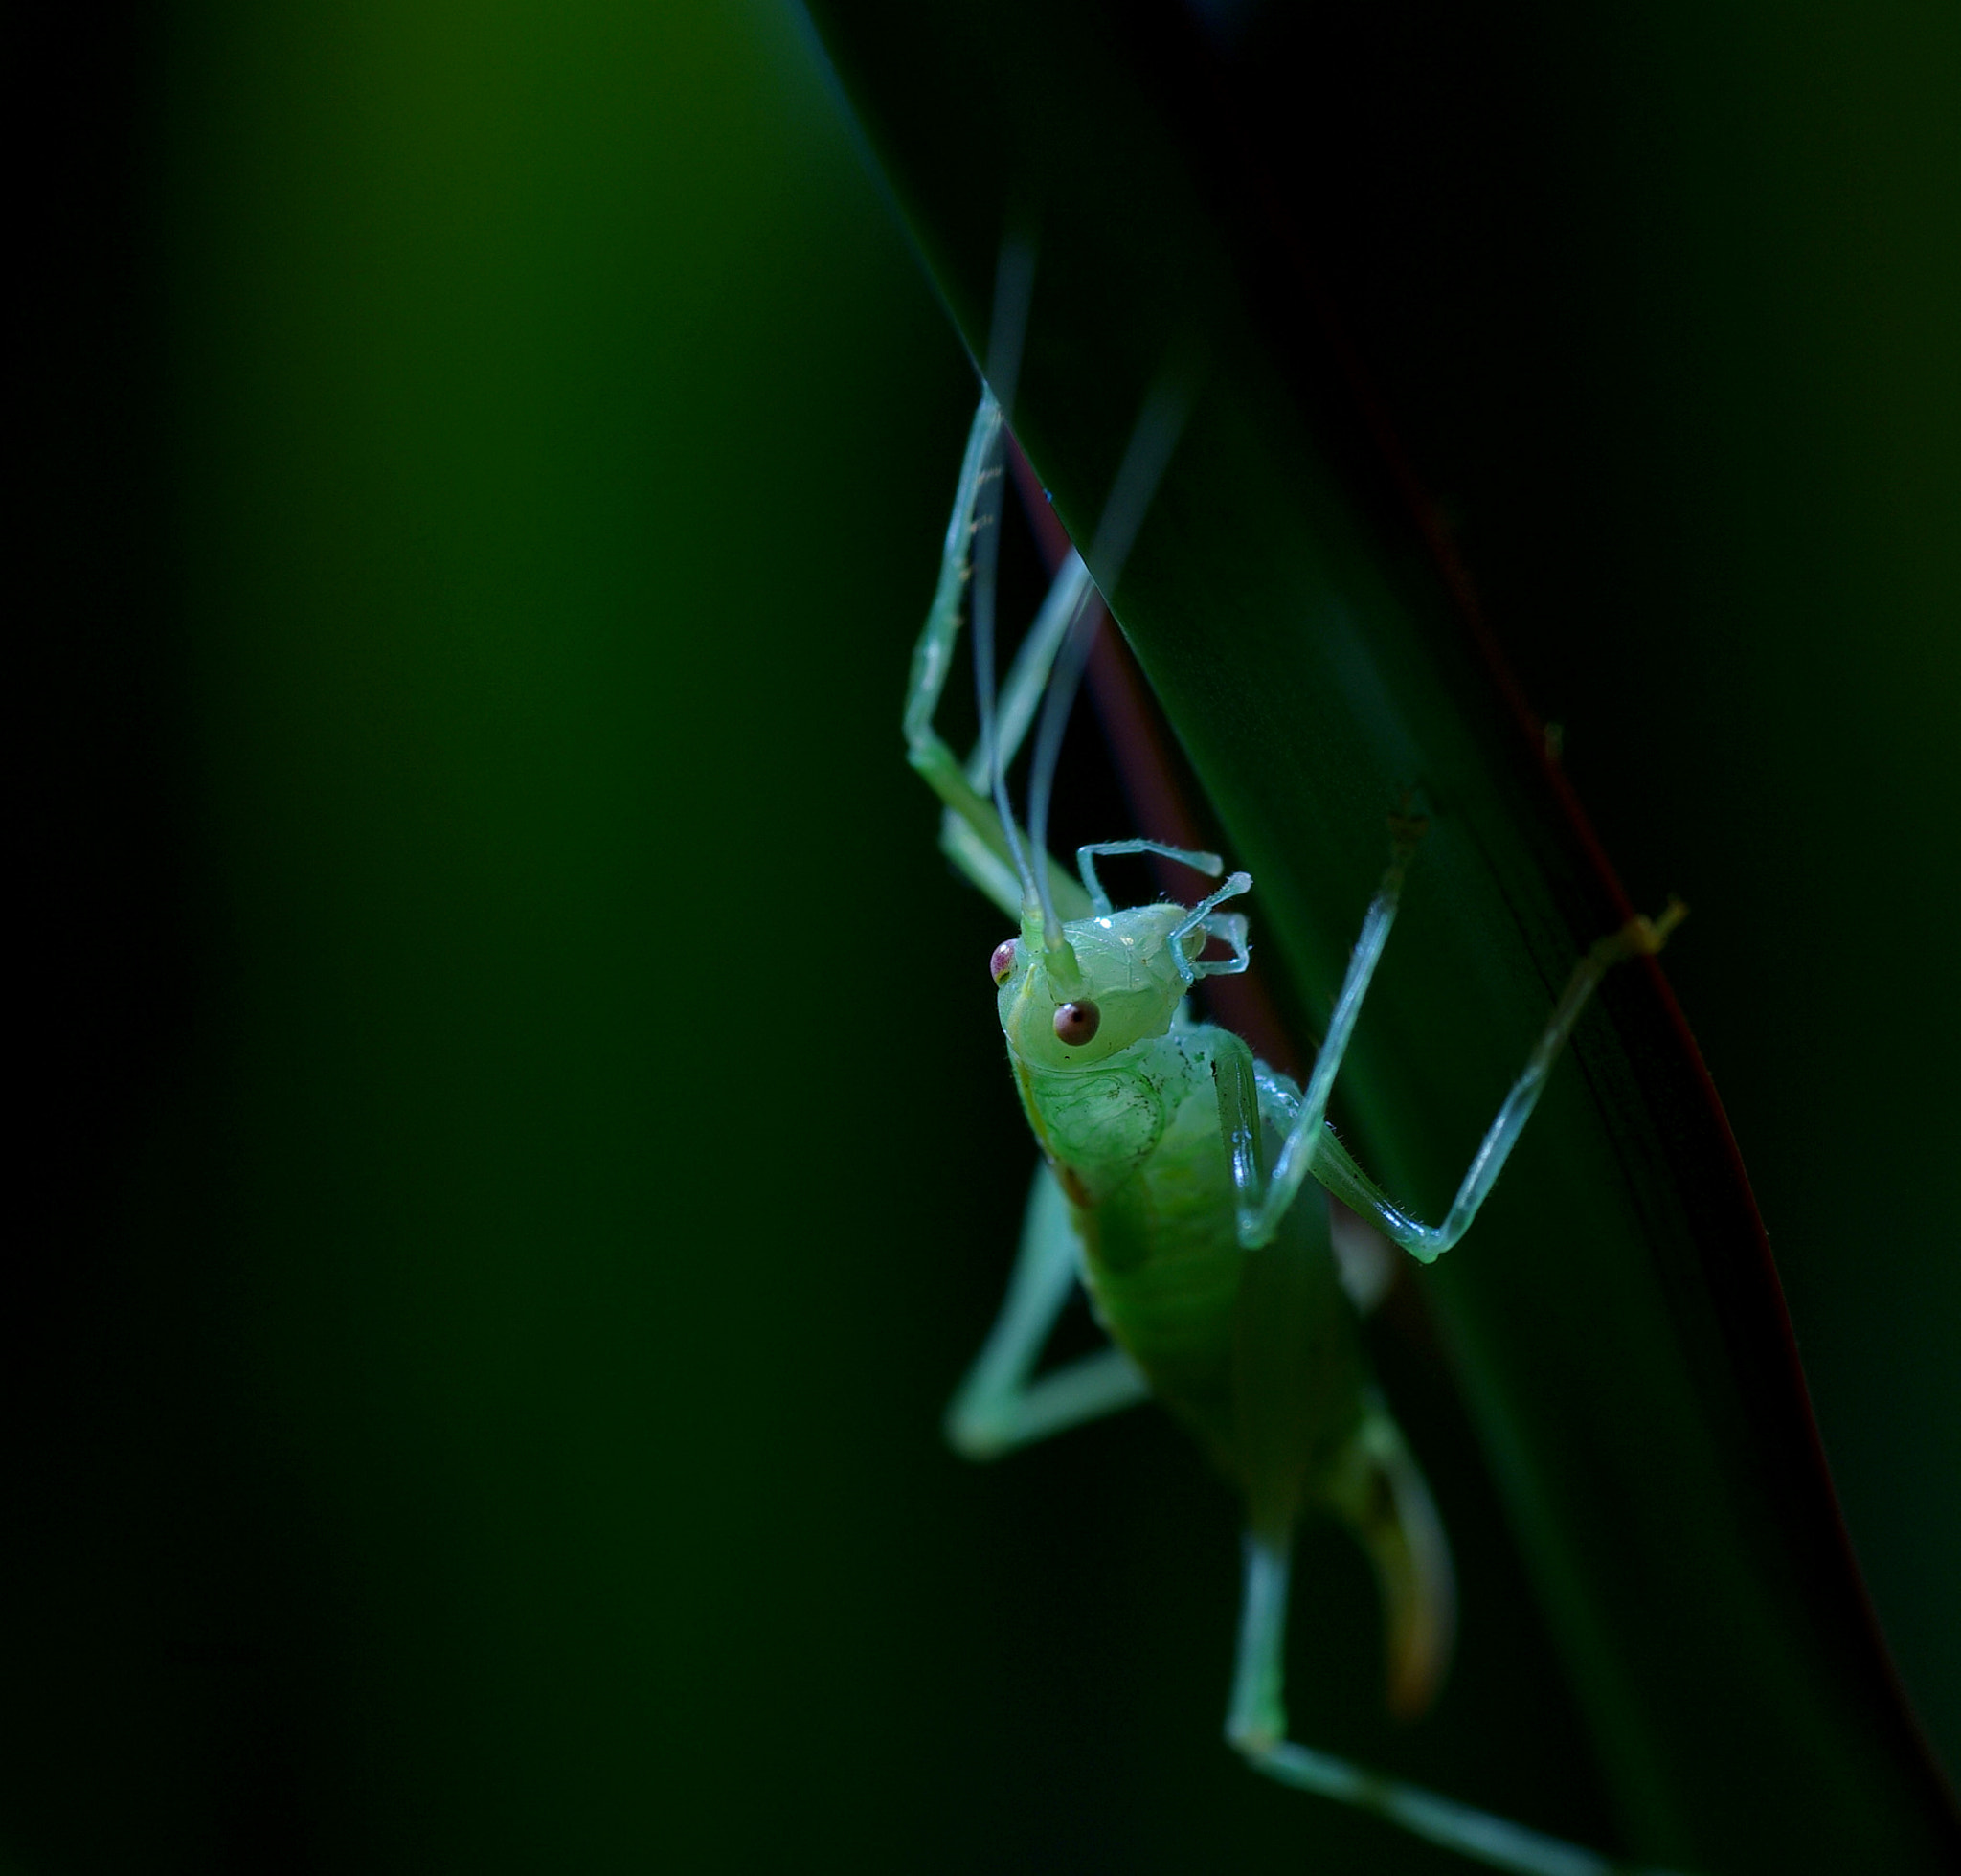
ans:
(1615, 1318)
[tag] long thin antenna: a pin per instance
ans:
(1152, 441)
(1055, 708)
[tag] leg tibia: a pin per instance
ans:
(1256, 1721)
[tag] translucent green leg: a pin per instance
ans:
(1208, 863)
(999, 1407)
(972, 834)
(1311, 1146)
(1256, 1726)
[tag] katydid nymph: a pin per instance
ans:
(1174, 1172)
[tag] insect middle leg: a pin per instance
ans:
(999, 1406)
(1310, 1145)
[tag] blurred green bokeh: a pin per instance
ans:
(523, 1152)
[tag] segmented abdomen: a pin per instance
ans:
(1162, 1265)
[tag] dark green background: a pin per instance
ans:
(520, 1152)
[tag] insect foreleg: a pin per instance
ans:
(985, 860)
(1208, 863)
(999, 1407)
(1256, 1724)
(933, 657)
(973, 835)
(985, 865)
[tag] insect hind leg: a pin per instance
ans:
(1256, 1728)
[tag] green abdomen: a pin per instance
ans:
(1164, 1267)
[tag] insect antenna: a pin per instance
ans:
(1063, 681)
(1144, 459)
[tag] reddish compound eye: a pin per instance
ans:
(1075, 1024)
(1003, 961)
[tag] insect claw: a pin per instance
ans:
(1641, 936)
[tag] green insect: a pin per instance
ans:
(1172, 1175)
